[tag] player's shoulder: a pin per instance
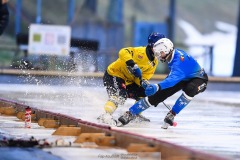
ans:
(140, 50)
(180, 54)
(180, 51)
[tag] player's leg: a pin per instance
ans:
(116, 90)
(181, 102)
(191, 88)
(137, 92)
(164, 94)
(147, 102)
(134, 111)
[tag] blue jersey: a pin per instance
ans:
(182, 68)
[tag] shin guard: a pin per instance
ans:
(140, 106)
(110, 107)
(181, 102)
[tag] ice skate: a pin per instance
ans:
(169, 120)
(107, 118)
(141, 118)
(125, 118)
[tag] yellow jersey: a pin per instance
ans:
(138, 54)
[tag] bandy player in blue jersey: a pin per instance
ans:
(185, 74)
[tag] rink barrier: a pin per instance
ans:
(65, 130)
(116, 138)
(99, 75)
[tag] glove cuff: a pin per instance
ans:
(144, 83)
(157, 86)
(135, 66)
(130, 63)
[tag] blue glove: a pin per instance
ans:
(151, 89)
(135, 70)
(144, 83)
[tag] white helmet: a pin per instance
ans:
(163, 45)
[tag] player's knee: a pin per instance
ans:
(191, 89)
(118, 100)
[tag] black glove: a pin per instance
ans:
(134, 69)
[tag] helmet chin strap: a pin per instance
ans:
(166, 57)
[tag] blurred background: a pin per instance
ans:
(91, 32)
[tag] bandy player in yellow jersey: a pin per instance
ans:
(127, 77)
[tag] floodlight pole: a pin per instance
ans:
(236, 68)
(18, 16)
(171, 20)
(39, 12)
(71, 10)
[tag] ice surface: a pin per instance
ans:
(210, 123)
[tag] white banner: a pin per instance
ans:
(49, 39)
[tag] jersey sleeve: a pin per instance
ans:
(148, 73)
(176, 75)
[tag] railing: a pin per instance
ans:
(85, 61)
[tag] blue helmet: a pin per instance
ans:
(154, 37)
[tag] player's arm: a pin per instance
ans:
(146, 76)
(126, 55)
(147, 72)
(171, 80)
(4, 15)
(175, 76)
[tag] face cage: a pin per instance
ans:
(163, 59)
(157, 55)
(160, 58)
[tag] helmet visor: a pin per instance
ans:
(160, 55)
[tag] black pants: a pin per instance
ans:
(191, 88)
(116, 87)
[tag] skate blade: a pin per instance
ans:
(111, 122)
(119, 124)
(165, 126)
(139, 120)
